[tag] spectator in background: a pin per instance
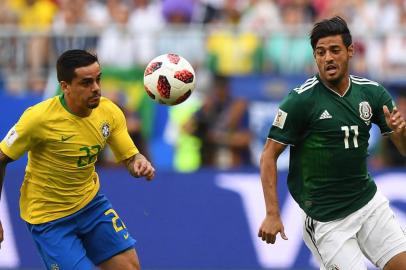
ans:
(75, 26)
(186, 145)
(394, 49)
(359, 59)
(145, 22)
(307, 7)
(96, 12)
(230, 51)
(178, 36)
(8, 14)
(231, 12)
(260, 16)
(364, 16)
(8, 53)
(222, 125)
(208, 11)
(330, 8)
(289, 52)
(117, 46)
(178, 11)
(35, 18)
(389, 12)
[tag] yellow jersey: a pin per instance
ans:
(62, 148)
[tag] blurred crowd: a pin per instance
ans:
(226, 36)
(221, 38)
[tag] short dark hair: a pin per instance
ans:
(331, 27)
(70, 60)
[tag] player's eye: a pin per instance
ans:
(320, 52)
(86, 82)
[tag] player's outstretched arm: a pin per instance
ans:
(3, 163)
(139, 166)
(397, 123)
(272, 224)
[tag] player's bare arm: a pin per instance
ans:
(3, 163)
(397, 123)
(139, 166)
(272, 223)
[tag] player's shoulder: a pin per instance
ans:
(302, 95)
(36, 115)
(108, 104)
(305, 92)
(307, 87)
(43, 108)
(368, 87)
(364, 82)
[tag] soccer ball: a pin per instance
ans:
(169, 79)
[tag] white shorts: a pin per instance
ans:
(341, 244)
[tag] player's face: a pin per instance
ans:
(83, 93)
(332, 58)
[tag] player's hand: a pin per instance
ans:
(1, 234)
(271, 226)
(394, 120)
(143, 168)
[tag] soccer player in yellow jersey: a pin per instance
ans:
(73, 225)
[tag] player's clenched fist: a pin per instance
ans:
(143, 168)
(139, 166)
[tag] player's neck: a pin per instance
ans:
(76, 110)
(340, 87)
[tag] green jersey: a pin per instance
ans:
(328, 134)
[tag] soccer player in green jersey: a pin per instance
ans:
(73, 225)
(326, 121)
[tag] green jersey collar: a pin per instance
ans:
(345, 92)
(63, 102)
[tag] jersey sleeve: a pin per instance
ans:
(23, 135)
(384, 98)
(120, 141)
(290, 121)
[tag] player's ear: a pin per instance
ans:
(64, 87)
(351, 50)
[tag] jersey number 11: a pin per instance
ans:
(346, 130)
